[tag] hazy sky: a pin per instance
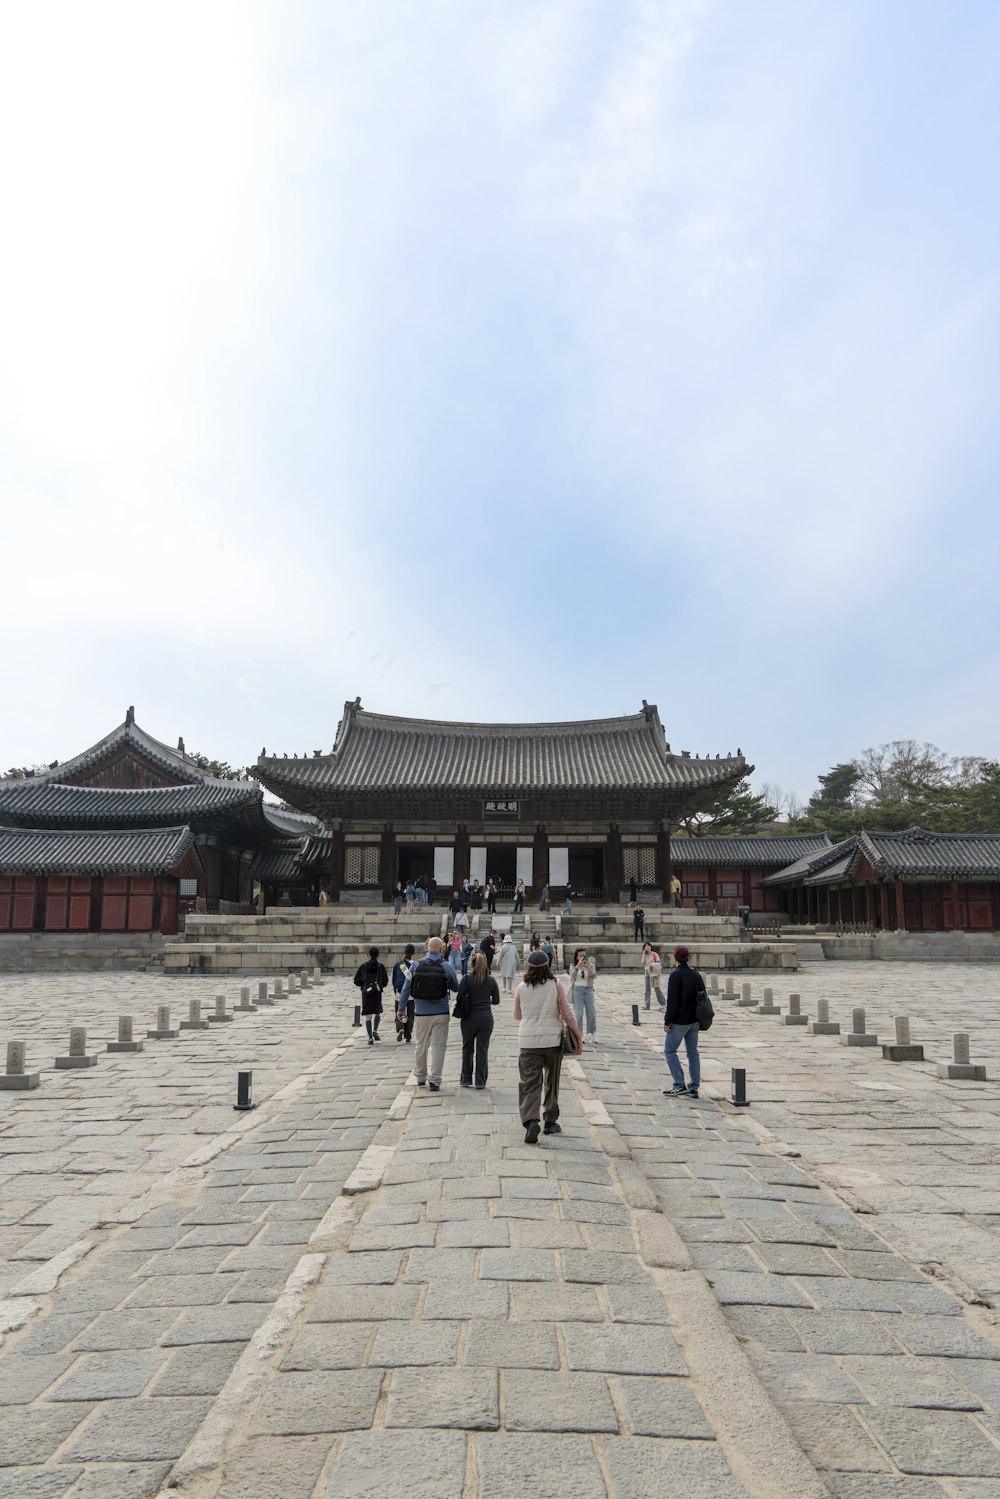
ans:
(500, 359)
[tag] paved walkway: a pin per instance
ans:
(661, 1295)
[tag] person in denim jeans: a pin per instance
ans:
(680, 1022)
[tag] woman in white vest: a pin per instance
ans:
(541, 1006)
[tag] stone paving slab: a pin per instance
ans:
(487, 1309)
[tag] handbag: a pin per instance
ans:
(463, 1001)
(567, 1040)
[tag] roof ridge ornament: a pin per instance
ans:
(130, 715)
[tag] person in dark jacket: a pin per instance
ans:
(455, 904)
(480, 991)
(639, 924)
(488, 947)
(371, 978)
(476, 896)
(400, 974)
(680, 1022)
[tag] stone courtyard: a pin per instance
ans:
(361, 1288)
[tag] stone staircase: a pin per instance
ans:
(336, 938)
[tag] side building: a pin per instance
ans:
(119, 837)
(589, 805)
(914, 881)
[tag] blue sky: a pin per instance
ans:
(501, 361)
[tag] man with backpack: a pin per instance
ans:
(429, 985)
(685, 991)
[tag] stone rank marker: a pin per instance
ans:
(15, 1079)
(279, 989)
(163, 1031)
(746, 996)
(220, 1013)
(304, 978)
(795, 1015)
(823, 1025)
(126, 1041)
(244, 1005)
(78, 1055)
(263, 998)
(857, 1035)
(902, 1049)
(767, 1005)
(194, 1022)
(293, 984)
(713, 983)
(730, 989)
(960, 1065)
(317, 976)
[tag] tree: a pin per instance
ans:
(221, 769)
(16, 773)
(739, 810)
(838, 789)
(895, 771)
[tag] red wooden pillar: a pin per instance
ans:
(746, 886)
(387, 861)
(539, 858)
(461, 868)
(336, 863)
(900, 907)
(883, 895)
(613, 874)
(664, 865)
(954, 904)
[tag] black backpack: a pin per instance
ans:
(703, 1007)
(429, 981)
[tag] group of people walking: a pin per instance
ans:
(550, 1022)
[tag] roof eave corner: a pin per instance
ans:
(351, 711)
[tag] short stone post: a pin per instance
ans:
(220, 1012)
(304, 978)
(823, 1025)
(15, 1079)
(263, 998)
(279, 989)
(961, 1065)
(795, 1015)
(163, 1031)
(293, 984)
(194, 1022)
(78, 1056)
(317, 976)
(126, 1040)
(244, 1003)
(730, 989)
(713, 983)
(857, 1035)
(902, 1049)
(746, 996)
(767, 1005)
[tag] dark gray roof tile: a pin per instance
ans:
(48, 851)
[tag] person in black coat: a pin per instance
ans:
(477, 994)
(371, 978)
(488, 947)
(680, 1022)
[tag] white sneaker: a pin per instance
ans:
(592, 1040)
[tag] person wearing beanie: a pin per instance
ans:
(541, 1008)
(680, 1023)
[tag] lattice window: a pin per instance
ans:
(361, 864)
(639, 863)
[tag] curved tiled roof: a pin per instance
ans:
(374, 751)
(275, 865)
(47, 803)
(913, 854)
(290, 823)
(48, 851)
(127, 735)
(774, 850)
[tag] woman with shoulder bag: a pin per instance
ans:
(652, 969)
(541, 1007)
(477, 994)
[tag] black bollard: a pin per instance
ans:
(635, 1014)
(740, 1100)
(357, 1014)
(244, 1084)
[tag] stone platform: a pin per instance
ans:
(364, 1288)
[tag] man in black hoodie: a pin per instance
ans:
(680, 1022)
